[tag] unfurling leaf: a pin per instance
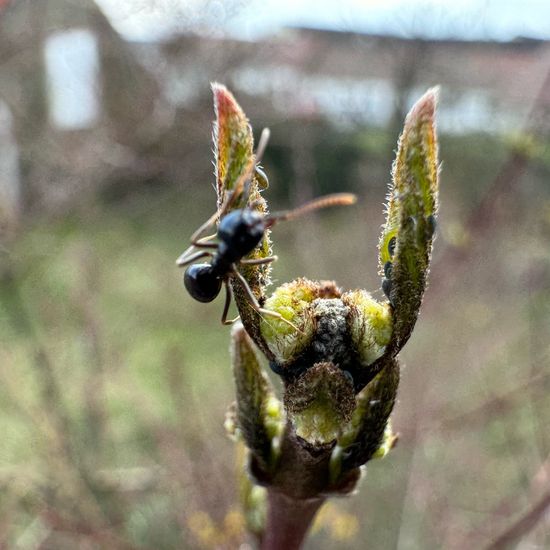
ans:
(233, 144)
(259, 415)
(238, 184)
(365, 433)
(406, 240)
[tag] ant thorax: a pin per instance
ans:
(240, 232)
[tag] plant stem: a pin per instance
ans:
(288, 520)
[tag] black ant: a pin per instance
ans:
(239, 233)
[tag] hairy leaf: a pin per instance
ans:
(406, 240)
(259, 413)
(365, 432)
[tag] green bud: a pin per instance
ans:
(319, 403)
(370, 325)
(336, 353)
(293, 302)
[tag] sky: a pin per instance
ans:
(146, 20)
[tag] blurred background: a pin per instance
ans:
(114, 383)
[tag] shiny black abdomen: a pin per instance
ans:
(202, 282)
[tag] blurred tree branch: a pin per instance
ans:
(483, 218)
(522, 526)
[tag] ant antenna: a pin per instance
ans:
(243, 185)
(335, 199)
(247, 175)
(262, 144)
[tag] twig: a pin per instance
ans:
(65, 457)
(288, 521)
(498, 404)
(526, 523)
(482, 218)
(85, 299)
(104, 537)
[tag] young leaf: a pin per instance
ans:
(238, 184)
(406, 240)
(233, 144)
(259, 413)
(364, 434)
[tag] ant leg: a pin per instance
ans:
(244, 180)
(262, 144)
(246, 176)
(184, 260)
(233, 194)
(195, 237)
(226, 306)
(197, 241)
(259, 261)
(200, 243)
(254, 302)
(203, 242)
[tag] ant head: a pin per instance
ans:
(201, 282)
(241, 231)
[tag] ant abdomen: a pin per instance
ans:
(202, 282)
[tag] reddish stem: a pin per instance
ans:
(288, 521)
